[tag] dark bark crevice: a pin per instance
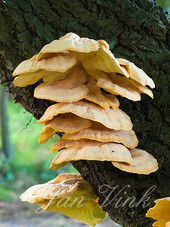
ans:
(136, 30)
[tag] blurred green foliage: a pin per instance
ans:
(164, 3)
(30, 159)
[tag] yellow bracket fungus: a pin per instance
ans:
(160, 212)
(68, 194)
(84, 78)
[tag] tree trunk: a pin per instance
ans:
(136, 30)
(6, 143)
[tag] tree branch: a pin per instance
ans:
(136, 30)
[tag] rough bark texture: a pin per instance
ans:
(136, 30)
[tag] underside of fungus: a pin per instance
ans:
(85, 80)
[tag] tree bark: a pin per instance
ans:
(136, 30)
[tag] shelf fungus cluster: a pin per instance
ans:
(84, 79)
(160, 212)
(68, 194)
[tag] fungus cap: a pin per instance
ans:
(161, 210)
(31, 78)
(140, 76)
(59, 63)
(105, 61)
(141, 88)
(92, 150)
(101, 133)
(69, 42)
(103, 43)
(95, 95)
(26, 79)
(62, 143)
(113, 101)
(63, 185)
(162, 223)
(46, 134)
(70, 89)
(136, 73)
(70, 195)
(144, 163)
(118, 85)
(112, 118)
(68, 123)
